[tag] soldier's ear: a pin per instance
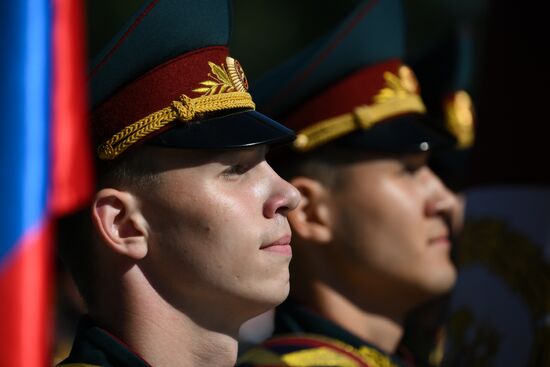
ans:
(311, 219)
(120, 223)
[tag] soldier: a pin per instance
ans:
(191, 236)
(371, 234)
(445, 71)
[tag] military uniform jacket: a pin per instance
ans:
(306, 339)
(93, 346)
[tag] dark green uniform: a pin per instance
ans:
(349, 90)
(94, 346)
(166, 80)
(305, 338)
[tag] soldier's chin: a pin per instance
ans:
(277, 297)
(270, 298)
(442, 282)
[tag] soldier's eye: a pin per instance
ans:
(411, 167)
(412, 163)
(237, 169)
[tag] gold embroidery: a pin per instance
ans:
(375, 358)
(435, 357)
(321, 356)
(225, 78)
(459, 118)
(226, 90)
(324, 356)
(184, 110)
(399, 96)
(399, 86)
(236, 73)
(336, 353)
(324, 131)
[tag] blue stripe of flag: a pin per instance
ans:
(25, 49)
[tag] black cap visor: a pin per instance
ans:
(405, 134)
(236, 130)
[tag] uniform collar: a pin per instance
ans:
(96, 346)
(293, 318)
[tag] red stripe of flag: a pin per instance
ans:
(72, 181)
(25, 334)
(71, 165)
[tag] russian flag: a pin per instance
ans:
(45, 165)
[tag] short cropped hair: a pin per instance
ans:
(138, 169)
(77, 237)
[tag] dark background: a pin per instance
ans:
(267, 32)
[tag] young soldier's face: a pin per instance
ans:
(390, 220)
(219, 235)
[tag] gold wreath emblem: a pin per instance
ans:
(398, 86)
(228, 77)
(236, 73)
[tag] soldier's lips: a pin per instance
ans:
(442, 240)
(281, 246)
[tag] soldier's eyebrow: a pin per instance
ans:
(415, 159)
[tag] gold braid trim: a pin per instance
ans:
(185, 110)
(362, 117)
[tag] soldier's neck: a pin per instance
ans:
(164, 335)
(362, 318)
